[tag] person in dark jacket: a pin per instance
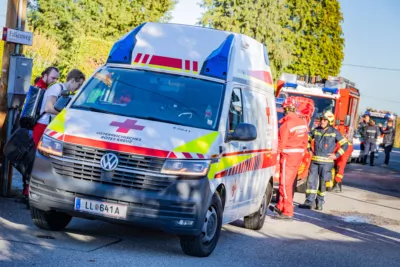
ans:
(388, 140)
(371, 134)
(323, 144)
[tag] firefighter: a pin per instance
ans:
(324, 138)
(293, 139)
(371, 134)
(340, 165)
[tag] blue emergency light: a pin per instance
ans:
(330, 90)
(279, 100)
(293, 85)
(216, 64)
(121, 52)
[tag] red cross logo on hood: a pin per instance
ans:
(125, 127)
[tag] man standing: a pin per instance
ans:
(293, 139)
(324, 139)
(388, 140)
(371, 134)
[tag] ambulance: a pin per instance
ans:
(177, 131)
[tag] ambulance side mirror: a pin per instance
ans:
(243, 132)
(347, 120)
(62, 101)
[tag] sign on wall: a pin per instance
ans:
(18, 37)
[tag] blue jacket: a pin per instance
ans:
(325, 144)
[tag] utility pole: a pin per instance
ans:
(16, 17)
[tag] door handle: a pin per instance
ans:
(244, 147)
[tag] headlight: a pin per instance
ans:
(48, 145)
(186, 167)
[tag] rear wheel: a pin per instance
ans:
(51, 220)
(203, 245)
(256, 220)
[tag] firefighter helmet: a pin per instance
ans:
(290, 103)
(329, 116)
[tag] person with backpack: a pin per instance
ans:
(75, 79)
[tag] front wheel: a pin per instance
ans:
(256, 220)
(203, 245)
(51, 220)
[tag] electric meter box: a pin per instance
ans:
(19, 80)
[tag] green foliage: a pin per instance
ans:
(318, 38)
(302, 36)
(84, 30)
(261, 20)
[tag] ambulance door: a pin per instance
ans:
(233, 154)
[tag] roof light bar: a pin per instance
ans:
(293, 85)
(333, 91)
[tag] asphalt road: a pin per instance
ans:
(359, 227)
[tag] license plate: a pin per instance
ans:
(101, 208)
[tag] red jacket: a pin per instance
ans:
(293, 134)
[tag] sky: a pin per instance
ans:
(371, 30)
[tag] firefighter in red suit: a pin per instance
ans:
(293, 139)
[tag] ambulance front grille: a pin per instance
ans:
(129, 161)
(83, 163)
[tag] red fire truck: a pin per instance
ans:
(336, 94)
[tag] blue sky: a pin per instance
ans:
(371, 30)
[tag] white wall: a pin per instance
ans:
(3, 12)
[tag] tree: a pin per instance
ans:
(85, 30)
(261, 19)
(318, 37)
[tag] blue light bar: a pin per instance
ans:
(121, 52)
(279, 100)
(216, 65)
(294, 85)
(330, 90)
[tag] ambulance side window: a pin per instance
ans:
(235, 109)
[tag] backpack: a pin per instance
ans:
(31, 111)
(20, 151)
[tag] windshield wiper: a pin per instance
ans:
(93, 109)
(160, 120)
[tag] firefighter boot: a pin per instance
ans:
(319, 206)
(371, 159)
(307, 205)
(364, 160)
(337, 188)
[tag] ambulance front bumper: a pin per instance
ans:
(179, 208)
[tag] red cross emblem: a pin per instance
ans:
(125, 127)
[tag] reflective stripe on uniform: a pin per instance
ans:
(343, 141)
(327, 134)
(321, 159)
(293, 150)
(311, 191)
(321, 193)
(339, 175)
(300, 127)
(341, 151)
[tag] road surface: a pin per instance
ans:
(359, 227)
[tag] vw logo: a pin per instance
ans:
(109, 162)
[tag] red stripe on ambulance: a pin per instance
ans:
(116, 147)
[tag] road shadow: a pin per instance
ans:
(374, 179)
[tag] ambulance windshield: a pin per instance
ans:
(153, 96)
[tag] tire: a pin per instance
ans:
(54, 221)
(302, 188)
(256, 220)
(202, 245)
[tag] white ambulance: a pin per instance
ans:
(177, 131)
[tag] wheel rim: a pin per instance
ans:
(210, 225)
(262, 207)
